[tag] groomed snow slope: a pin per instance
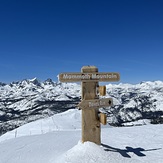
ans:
(57, 140)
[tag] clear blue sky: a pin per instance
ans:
(42, 38)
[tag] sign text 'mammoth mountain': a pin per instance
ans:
(76, 77)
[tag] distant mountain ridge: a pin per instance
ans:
(30, 99)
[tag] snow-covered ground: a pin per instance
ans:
(57, 140)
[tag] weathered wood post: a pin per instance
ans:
(91, 128)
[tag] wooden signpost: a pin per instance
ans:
(90, 104)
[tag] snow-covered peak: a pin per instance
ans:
(31, 99)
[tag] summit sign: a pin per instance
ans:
(89, 77)
(90, 101)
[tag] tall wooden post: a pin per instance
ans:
(91, 128)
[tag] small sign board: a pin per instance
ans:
(89, 77)
(96, 103)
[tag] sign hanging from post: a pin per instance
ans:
(89, 77)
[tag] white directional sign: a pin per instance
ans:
(96, 103)
(89, 77)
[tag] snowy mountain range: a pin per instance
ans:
(28, 100)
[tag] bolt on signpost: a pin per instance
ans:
(90, 102)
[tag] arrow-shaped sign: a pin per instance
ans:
(97, 103)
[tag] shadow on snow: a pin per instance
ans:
(124, 152)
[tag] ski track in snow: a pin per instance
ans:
(59, 142)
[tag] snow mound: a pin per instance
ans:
(84, 153)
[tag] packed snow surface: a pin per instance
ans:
(57, 140)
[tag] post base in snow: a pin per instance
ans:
(91, 127)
